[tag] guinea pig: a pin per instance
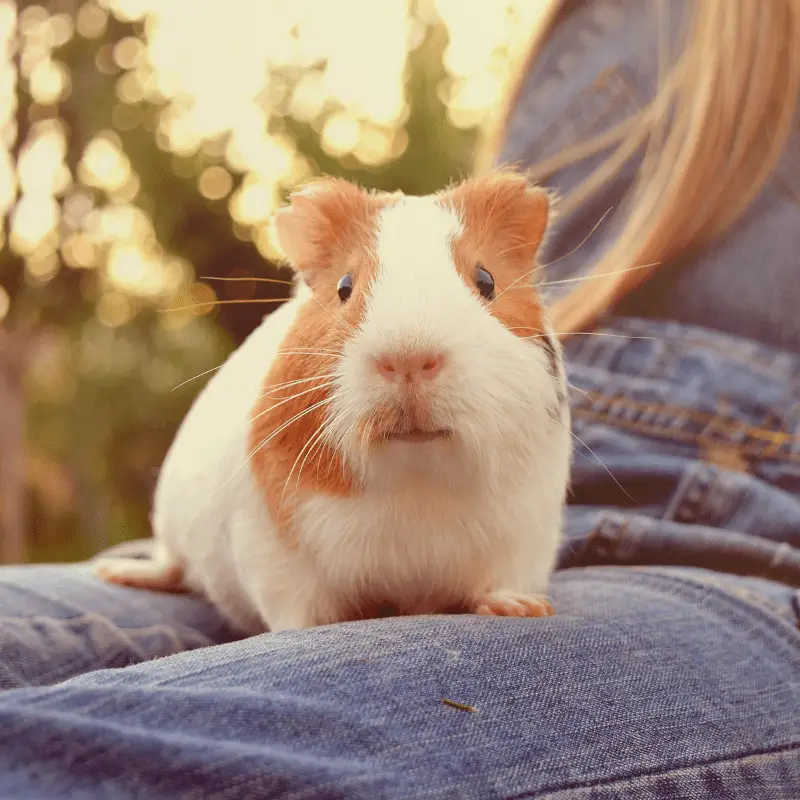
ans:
(394, 439)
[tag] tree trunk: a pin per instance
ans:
(13, 549)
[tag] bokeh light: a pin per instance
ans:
(224, 79)
(144, 148)
(226, 75)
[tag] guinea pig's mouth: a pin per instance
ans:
(410, 422)
(417, 435)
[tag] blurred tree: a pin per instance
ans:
(110, 221)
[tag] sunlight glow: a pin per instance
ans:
(215, 183)
(114, 309)
(49, 82)
(104, 164)
(231, 80)
(339, 66)
(131, 270)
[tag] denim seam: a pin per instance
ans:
(606, 404)
(756, 599)
(780, 750)
(757, 451)
(369, 773)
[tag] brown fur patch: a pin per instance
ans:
(504, 222)
(327, 233)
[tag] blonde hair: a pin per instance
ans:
(711, 136)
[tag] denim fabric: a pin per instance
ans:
(687, 451)
(671, 669)
(57, 623)
(649, 683)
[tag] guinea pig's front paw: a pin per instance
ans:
(513, 604)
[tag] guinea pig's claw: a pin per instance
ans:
(512, 604)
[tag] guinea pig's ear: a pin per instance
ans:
(320, 222)
(504, 211)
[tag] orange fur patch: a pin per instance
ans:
(504, 222)
(327, 232)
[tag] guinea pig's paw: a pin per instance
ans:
(513, 604)
(140, 573)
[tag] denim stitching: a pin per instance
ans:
(756, 451)
(718, 430)
(606, 402)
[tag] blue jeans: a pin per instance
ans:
(649, 683)
(680, 680)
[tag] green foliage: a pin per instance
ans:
(100, 398)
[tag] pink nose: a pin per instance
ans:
(410, 367)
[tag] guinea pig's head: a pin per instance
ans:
(424, 328)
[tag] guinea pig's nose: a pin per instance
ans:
(411, 367)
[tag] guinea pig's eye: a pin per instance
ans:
(345, 287)
(485, 282)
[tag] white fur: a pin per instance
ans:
(454, 519)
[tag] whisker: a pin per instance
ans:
(518, 247)
(252, 278)
(299, 456)
(286, 384)
(307, 351)
(583, 241)
(315, 439)
(540, 267)
(336, 443)
(336, 435)
(596, 457)
(195, 377)
(319, 441)
(580, 391)
(269, 438)
(592, 277)
(224, 303)
(366, 434)
(289, 399)
(591, 333)
(332, 315)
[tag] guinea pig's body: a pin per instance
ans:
(393, 439)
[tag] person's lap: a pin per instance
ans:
(648, 682)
